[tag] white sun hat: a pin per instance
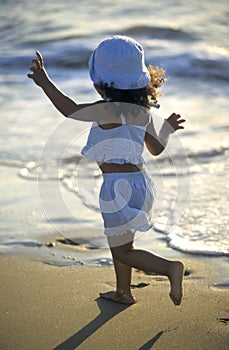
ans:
(118, 61)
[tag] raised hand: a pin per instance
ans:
(39, 74)
(175, 122)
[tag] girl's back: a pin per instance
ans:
(120, 143)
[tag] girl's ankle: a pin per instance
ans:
(123, 292)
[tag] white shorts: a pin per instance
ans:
(126, 201)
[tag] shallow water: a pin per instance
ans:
(190, 41)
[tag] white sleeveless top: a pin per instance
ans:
(119, 145)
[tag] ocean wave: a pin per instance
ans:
(197, 156)
(68, 162)
(205, 246)
(188, 65)
(66, 170)
(218, 69)
(70, 56)
(52, 40)
(73, 57)
(208, 154)
(189, 57)
(167, 33)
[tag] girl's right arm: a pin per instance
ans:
(157, 143)
(62, 102)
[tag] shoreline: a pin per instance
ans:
(57, 250)
(28, 231)
(28, 223)
(50, 307)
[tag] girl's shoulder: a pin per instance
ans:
(113, 112)
(141, 119)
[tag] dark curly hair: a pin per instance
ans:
(142, 97)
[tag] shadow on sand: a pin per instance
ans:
(106, 314)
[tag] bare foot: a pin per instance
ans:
(176, 280)
(119, 297)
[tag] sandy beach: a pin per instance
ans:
(54, 256)
(46, 307)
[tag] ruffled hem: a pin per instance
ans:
(86, 152)
(139, 223)
(111, 232)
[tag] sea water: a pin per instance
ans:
(188, 39)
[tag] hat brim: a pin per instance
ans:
(119, 80)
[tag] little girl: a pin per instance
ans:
(116, 141)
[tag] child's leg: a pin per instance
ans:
(146, 261)
(123, 277)
(123, 281)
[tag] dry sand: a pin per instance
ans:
(46, 307)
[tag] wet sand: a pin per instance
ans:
(46, 307)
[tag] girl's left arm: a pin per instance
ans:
(157, 143)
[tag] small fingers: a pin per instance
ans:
(175, 121)
(177, 118)
(40, 59)
(32, 68)
(181, 121)
(39, 63)
(175, 115)
(35, 64)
